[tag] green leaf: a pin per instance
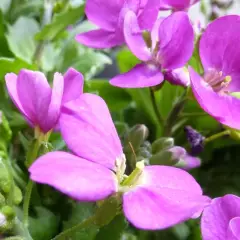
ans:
(45, 225)
(4, 5)
(85, 60)
(49, 56)
(21, 38)
(195, 60)
(80, 212)
(126, 60)
(4, 50)
(60, 23)
(116, 98)
(167, 97)
(113, 230)
(142, 99)
(13, 65)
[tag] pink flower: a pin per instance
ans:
(154, 197)
(109, 17)
(220, 58)
(37, 101)
(172, 43)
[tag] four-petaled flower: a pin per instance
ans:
(169, 48)
(221, 219)
(39, 104)
(154, 197)
(109, 17)
(220, 59)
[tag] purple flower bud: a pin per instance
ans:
(195, 139)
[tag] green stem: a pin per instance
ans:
(154, 103)
(216, 136)
(174, 114)
(30, 159)
(194, 114)
(26, 202)
(48, 10)
(86, 223)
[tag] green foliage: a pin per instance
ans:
(21, 38)
(80, 212)
(113, 230)
(60, 23)
(44, 225)
(116, 98)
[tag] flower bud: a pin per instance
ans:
(5, 181)
(188, 162)
(17, 195)
(168, 157)
(8, 212)
(195, 139)
(162, 144)
(178, 76)
(136, 136)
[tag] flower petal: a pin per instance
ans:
(134, 38)
(73, 85)
(102, 14)
(142, 75)
(11, 82)
(166, 196)
(74, 176)
(34, 93)
(234, 229)
(177, 4)
(100, 38)
(176, 40)
(155, 30)
(49, 121)
(218, 47)
(88, 130)
(224, 108)
(149, 14)
(217, 216)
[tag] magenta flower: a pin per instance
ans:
(220, 59)
(176, 5)
(221, 219)
(39, 104)
(172, 42)
(154, 197)
(109, 17)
